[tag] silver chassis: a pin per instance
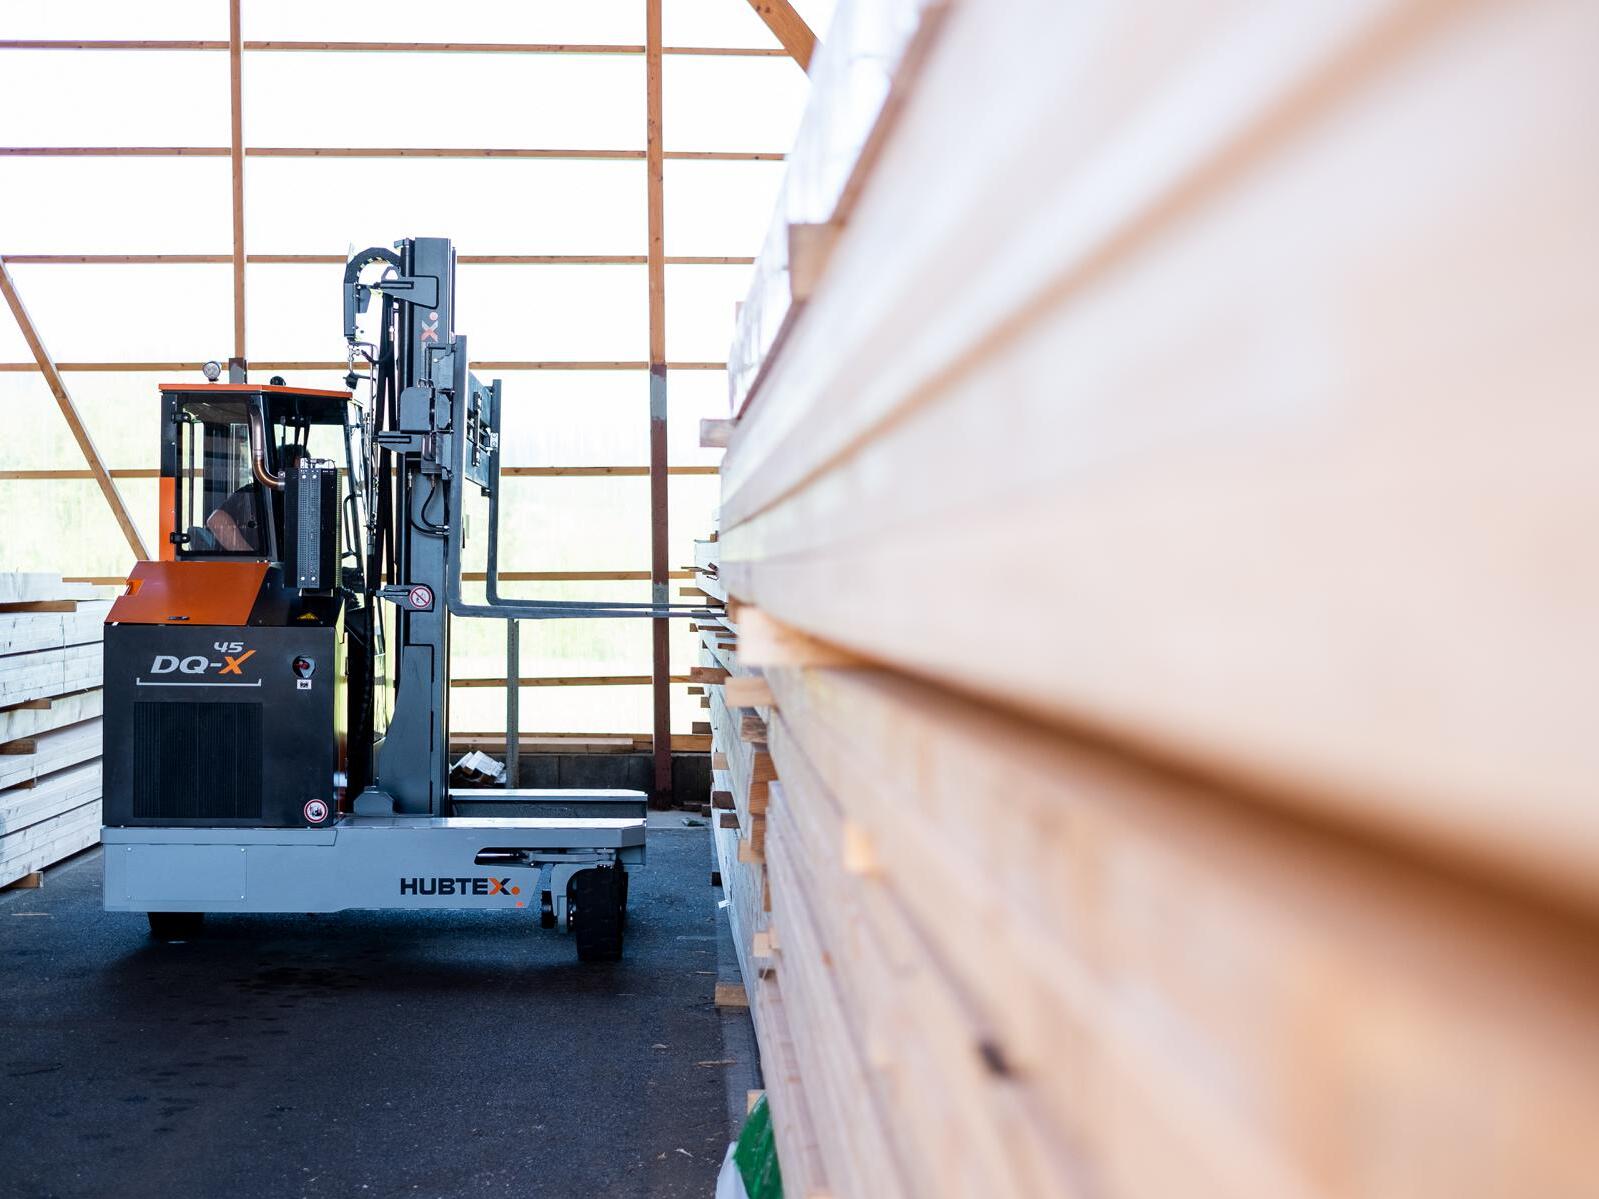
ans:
(372, 862)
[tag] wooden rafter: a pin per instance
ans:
(505, 576)
(338, 259)
(577, 680)
(507, 472)
(789, 27)
(384, 152)
(391, 47)
(69, 411)
(507, 364)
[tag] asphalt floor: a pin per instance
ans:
(368, 1053)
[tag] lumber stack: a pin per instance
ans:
(1159, 551)
(50, 706)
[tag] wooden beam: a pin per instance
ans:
(69, 411)
(517, 472)
(768, 642)
(383, 152)
(392, 47)
(337, 259)
(654, 175)
(506, 576)
(747, 691)
(236, 157)
(583, 742)
(331, 365)
(601, 680)
(789, 27)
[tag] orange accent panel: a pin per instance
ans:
(169, 504)
(264, 387)
(192, 593)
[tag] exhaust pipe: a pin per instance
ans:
(258, 450)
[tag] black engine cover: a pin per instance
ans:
(211, 725)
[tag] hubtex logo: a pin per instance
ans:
(457, 886)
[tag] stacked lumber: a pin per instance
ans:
(744, 790)
(50, 706)
(1157, 555)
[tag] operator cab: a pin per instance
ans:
(226, 454)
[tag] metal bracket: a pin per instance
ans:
(422, 290)
(417, 598)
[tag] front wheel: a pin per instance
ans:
(174, 926)
(597, 906)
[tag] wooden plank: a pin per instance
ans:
(1138, 885)
(1239, 542)
(54, 713)
(49, 841)
(24, 631)
(64, 791)
(47, 753)
(731, 995)
(19, 587)
(48, 673)
(705, 556)
(809, 248)
(69, 412)
(747, 691)
(789, 27)
(769, 642)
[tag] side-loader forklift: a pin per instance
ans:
(277, 685)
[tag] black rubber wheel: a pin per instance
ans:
(175, 926)
(596, 901)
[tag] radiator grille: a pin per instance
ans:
(194, 761)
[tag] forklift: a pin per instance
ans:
(277, 686)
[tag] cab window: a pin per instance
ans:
(220, 508)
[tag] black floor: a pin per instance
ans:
(364, 1054)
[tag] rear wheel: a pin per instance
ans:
(173, 926)
(597, 907)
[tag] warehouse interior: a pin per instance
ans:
(829, 598)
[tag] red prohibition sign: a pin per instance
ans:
(421, 598)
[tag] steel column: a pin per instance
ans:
(660, 587)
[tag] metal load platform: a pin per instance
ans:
(472, 860)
